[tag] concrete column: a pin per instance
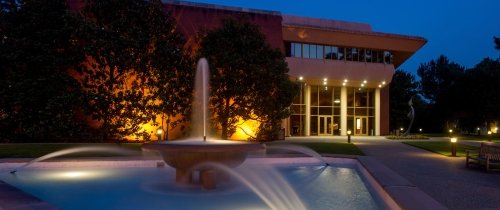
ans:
(343, 111)
(307, 100)
(377, 112)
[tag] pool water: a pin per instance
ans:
(317, 186)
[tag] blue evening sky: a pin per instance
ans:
(462, 30)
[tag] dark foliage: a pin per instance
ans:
(249, 80)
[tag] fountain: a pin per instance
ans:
(184, 155)
(279, 183)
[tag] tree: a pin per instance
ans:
(439, 87)
(39, 98)
(497, 42)
(136, 68)
(249, 79)
(480, 101)
(403, 87)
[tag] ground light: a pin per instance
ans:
(159, 132)
(453, 142)
(349, 136)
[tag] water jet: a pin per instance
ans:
(183, 155)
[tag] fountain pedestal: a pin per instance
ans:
(185, 155)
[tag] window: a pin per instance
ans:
(374, 56)
(368, 56)
(335, 52)
(341, 53)
(348, 54)
(328, 52)
(387, 57)
(305, 51)
(319, 52)
(312, 51)
(355, 54)
(315, 51)
(297, 50)
(362, 55)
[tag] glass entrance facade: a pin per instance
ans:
(361, 111)
(317, 111)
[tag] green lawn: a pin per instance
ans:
(494, 137)
(440, 147)
(36, 150)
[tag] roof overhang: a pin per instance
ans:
(401, 46)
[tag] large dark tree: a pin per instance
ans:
(439, 87)
(39, 98)
(249, 79)
(403, 87)
(497, 42)
(136, 68)
(479, 90)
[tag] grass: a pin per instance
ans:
(440, 147)
(332, 148)
(494, 137)
(36, 150)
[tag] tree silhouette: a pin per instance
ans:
(135, 67)
(439, 86)
(403, 87)
(497, 42)
(39, 97)
(249, 80)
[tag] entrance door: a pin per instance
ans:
(325, 125)
(361, 125)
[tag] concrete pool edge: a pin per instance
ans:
(404, 193)
(397, 192)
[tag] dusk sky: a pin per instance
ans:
(462, 30)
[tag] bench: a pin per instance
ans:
(488, 155)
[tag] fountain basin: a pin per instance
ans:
(139, 184)
(185, 155)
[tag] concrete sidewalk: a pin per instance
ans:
(446, 179)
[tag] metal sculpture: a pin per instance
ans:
(410, 115)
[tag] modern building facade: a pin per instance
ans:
(344, 68)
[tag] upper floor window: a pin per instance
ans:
(315, 51)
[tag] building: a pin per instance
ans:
(344, 68)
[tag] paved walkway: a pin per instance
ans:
(446, 179)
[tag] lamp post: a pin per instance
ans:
(450, 131)
(420, 130)
(348, 136)
(159, 132)
(453, 147)
(489, 136)
(168, 125)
